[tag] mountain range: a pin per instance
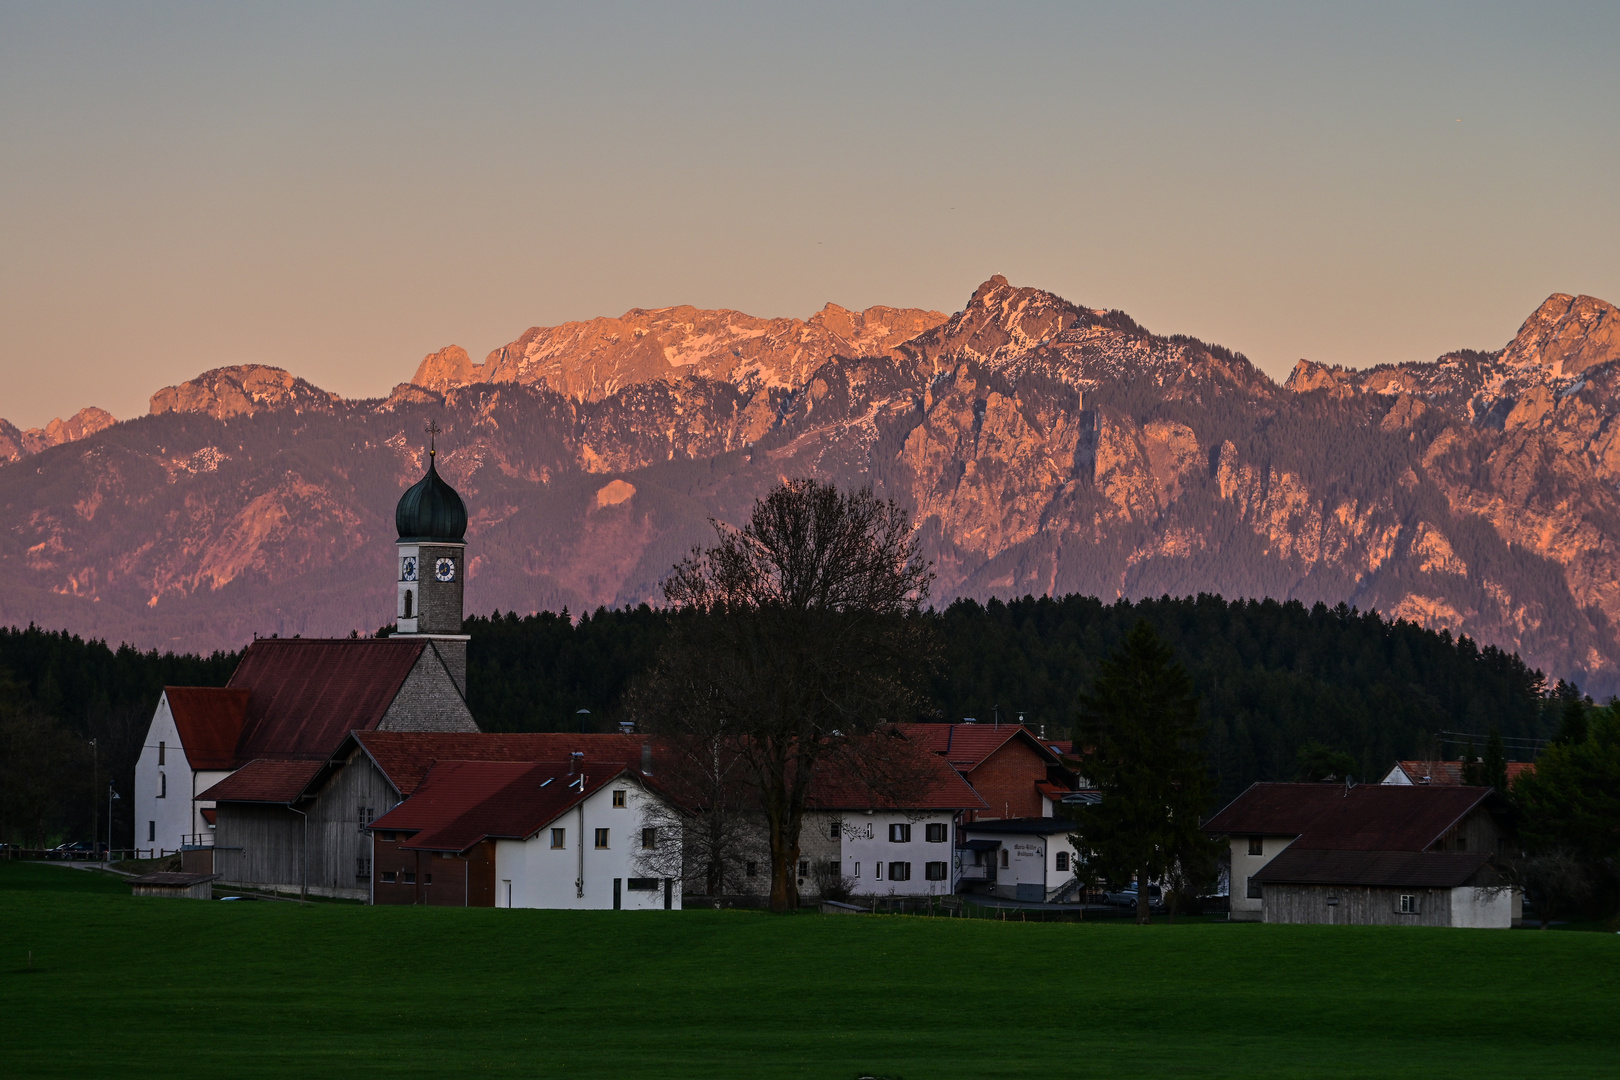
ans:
(1040, 445)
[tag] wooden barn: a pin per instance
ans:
(1369, 854)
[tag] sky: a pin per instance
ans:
(340, 189)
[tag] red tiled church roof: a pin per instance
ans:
(210, 721)
(306, 694)
(1366, 817)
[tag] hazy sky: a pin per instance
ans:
(340, 189)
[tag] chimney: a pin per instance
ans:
(576, 758)
(627, 727)
(646, 758)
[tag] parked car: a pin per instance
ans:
(1127, 897)
(78, 849)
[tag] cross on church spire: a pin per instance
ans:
(432, 430)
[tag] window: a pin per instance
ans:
(1062, 860)
(1462, 843)
(804, 869)
(162, 746)
(1408, 904)
(389, 837)
(877, 871)
(1257, 845)
(935, 833)
(559, 838)
(601, 839)
(388, 876)
(1004, 858)
(833, 869)
(365, 816)
(857, 872)
(643, 884)
(751, 868)
(151, 832)
(410, 876)
(618, 800)
(899, 834)
(362, 868)
(427, 879)
(934, 871)
(833, 828)
(899, 871)
(163, 785)
(408, 599)
(649, 837)
(1253, 891)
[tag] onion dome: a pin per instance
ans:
(431, 512)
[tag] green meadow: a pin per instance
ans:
(167, 988)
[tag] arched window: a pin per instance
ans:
(408, 614)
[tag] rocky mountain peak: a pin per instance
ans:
(1565, 336)
(16, 444)
(242, 390)
(450, 366)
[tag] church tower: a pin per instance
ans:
(432, 524)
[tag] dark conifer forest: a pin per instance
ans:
(1272, 678)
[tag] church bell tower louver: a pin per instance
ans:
(432, 523)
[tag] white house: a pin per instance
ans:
(190, 746)
(530, 834)
(1027, 859)
(898, 853)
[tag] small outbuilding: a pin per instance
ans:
(174, 886)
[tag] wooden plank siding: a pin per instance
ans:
(434, 878)
(1358, 905)
(263, 846)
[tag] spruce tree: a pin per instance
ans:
(1139, 727)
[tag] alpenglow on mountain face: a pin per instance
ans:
(1042, 447)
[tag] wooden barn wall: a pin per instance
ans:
(271, 838)
(339, 848)
(1358, 905)
(258, 845)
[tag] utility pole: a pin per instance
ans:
(95, 782)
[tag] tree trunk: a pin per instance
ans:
(784, 860)
(1143, 914)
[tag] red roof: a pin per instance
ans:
(306, 694)
(1366, 817)
(925, 782)
(209, 720)
(406, 756)
(967, 745)
(266, 780)
(459, 803)
(1385, 869)
(1450, 772)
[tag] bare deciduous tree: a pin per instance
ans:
(805, 633)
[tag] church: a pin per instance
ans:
(243, 780)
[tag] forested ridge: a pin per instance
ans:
(1271, 677)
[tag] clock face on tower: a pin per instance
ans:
(445, 569)
(407, 568)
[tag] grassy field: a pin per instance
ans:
(134, 988)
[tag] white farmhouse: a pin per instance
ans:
(1027, 859)
(530, 834)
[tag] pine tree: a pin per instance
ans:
(1139, 725)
